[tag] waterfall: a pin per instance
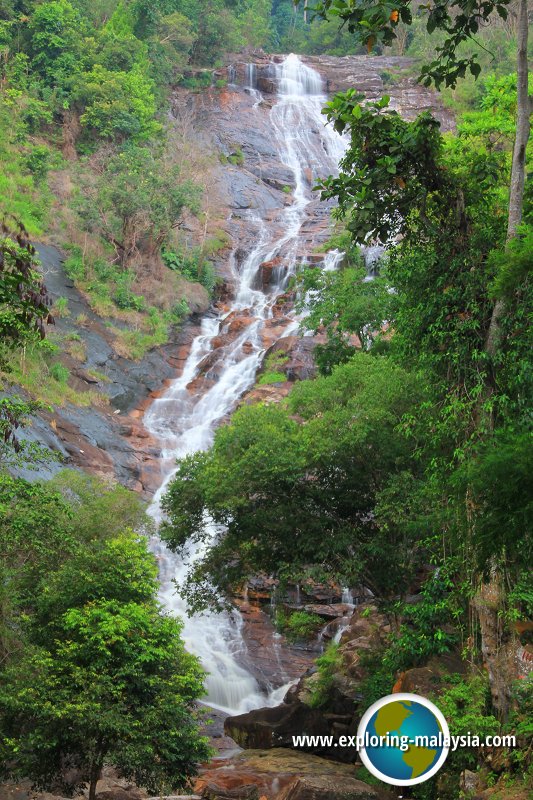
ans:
(185, 422)
(332, 262)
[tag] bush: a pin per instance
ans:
(59, 372)
(236, 157)
(60, 308)
(195, 83)
(298, 625)
(37, 161)
(192, 266)
(124, 297)
(466, 708)
(272, 377)
(328, 665)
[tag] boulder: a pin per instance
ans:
(331, 611)
(328, 787)
(268, 269)
(278, 771)
(266, 85)
(275, 727)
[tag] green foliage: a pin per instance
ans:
(273, 365)
(236, 157)
(136, 199)
(298, 624)
(59, 372)
(24, 303)
(91, 671)
(38, 162)
(298, 495)
(427, 627)
(498, 478)
(56, 46)
(15, 413)
(193, 266)
(118, 105)
(118, 687)
(374, 23)
(271, 377)
(328, 665)
(466, 708)
(344, 303)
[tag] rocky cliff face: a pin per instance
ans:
(248, 180)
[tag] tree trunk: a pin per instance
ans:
(96, 769)
(499, 643)
(518, 171)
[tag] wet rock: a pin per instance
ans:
(260, 587)
(469, 781)
(332, 611)
(430, 678)
(272, 660)
(325, 787)
(268, 271)
(274, 727)
(274, 771)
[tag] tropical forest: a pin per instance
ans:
(266, 393)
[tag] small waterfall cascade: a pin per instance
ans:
(332, 263)
(184, 420)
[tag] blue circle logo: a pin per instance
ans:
(405, 739)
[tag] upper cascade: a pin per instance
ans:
(296, 79)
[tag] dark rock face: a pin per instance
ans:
(274, 727)
(107, 439)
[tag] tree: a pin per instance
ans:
(344, 303)
(56, 45)
(24, 301)
(355, 190)
(116, 687)
(118, 104)
(24, 313)
(297, 498)
(34, 529)
(137, 200)
(91, 670)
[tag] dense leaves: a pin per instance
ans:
(300, 496)
(92, 672)
(24, 302)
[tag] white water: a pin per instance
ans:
(185, 423)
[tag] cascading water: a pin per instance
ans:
(185, 422)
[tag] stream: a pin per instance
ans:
(184, 421)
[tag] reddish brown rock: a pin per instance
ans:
(268, 269)
(277, 770)
(331, 611)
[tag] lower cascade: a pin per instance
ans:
(185, 422)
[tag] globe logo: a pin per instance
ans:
(404, 739)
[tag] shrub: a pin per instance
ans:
(126, 299)
(328, 665)
(236, 157)
(272, 377)
(59, 372)
(61, 308)
(298, 625)
(37, 161)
